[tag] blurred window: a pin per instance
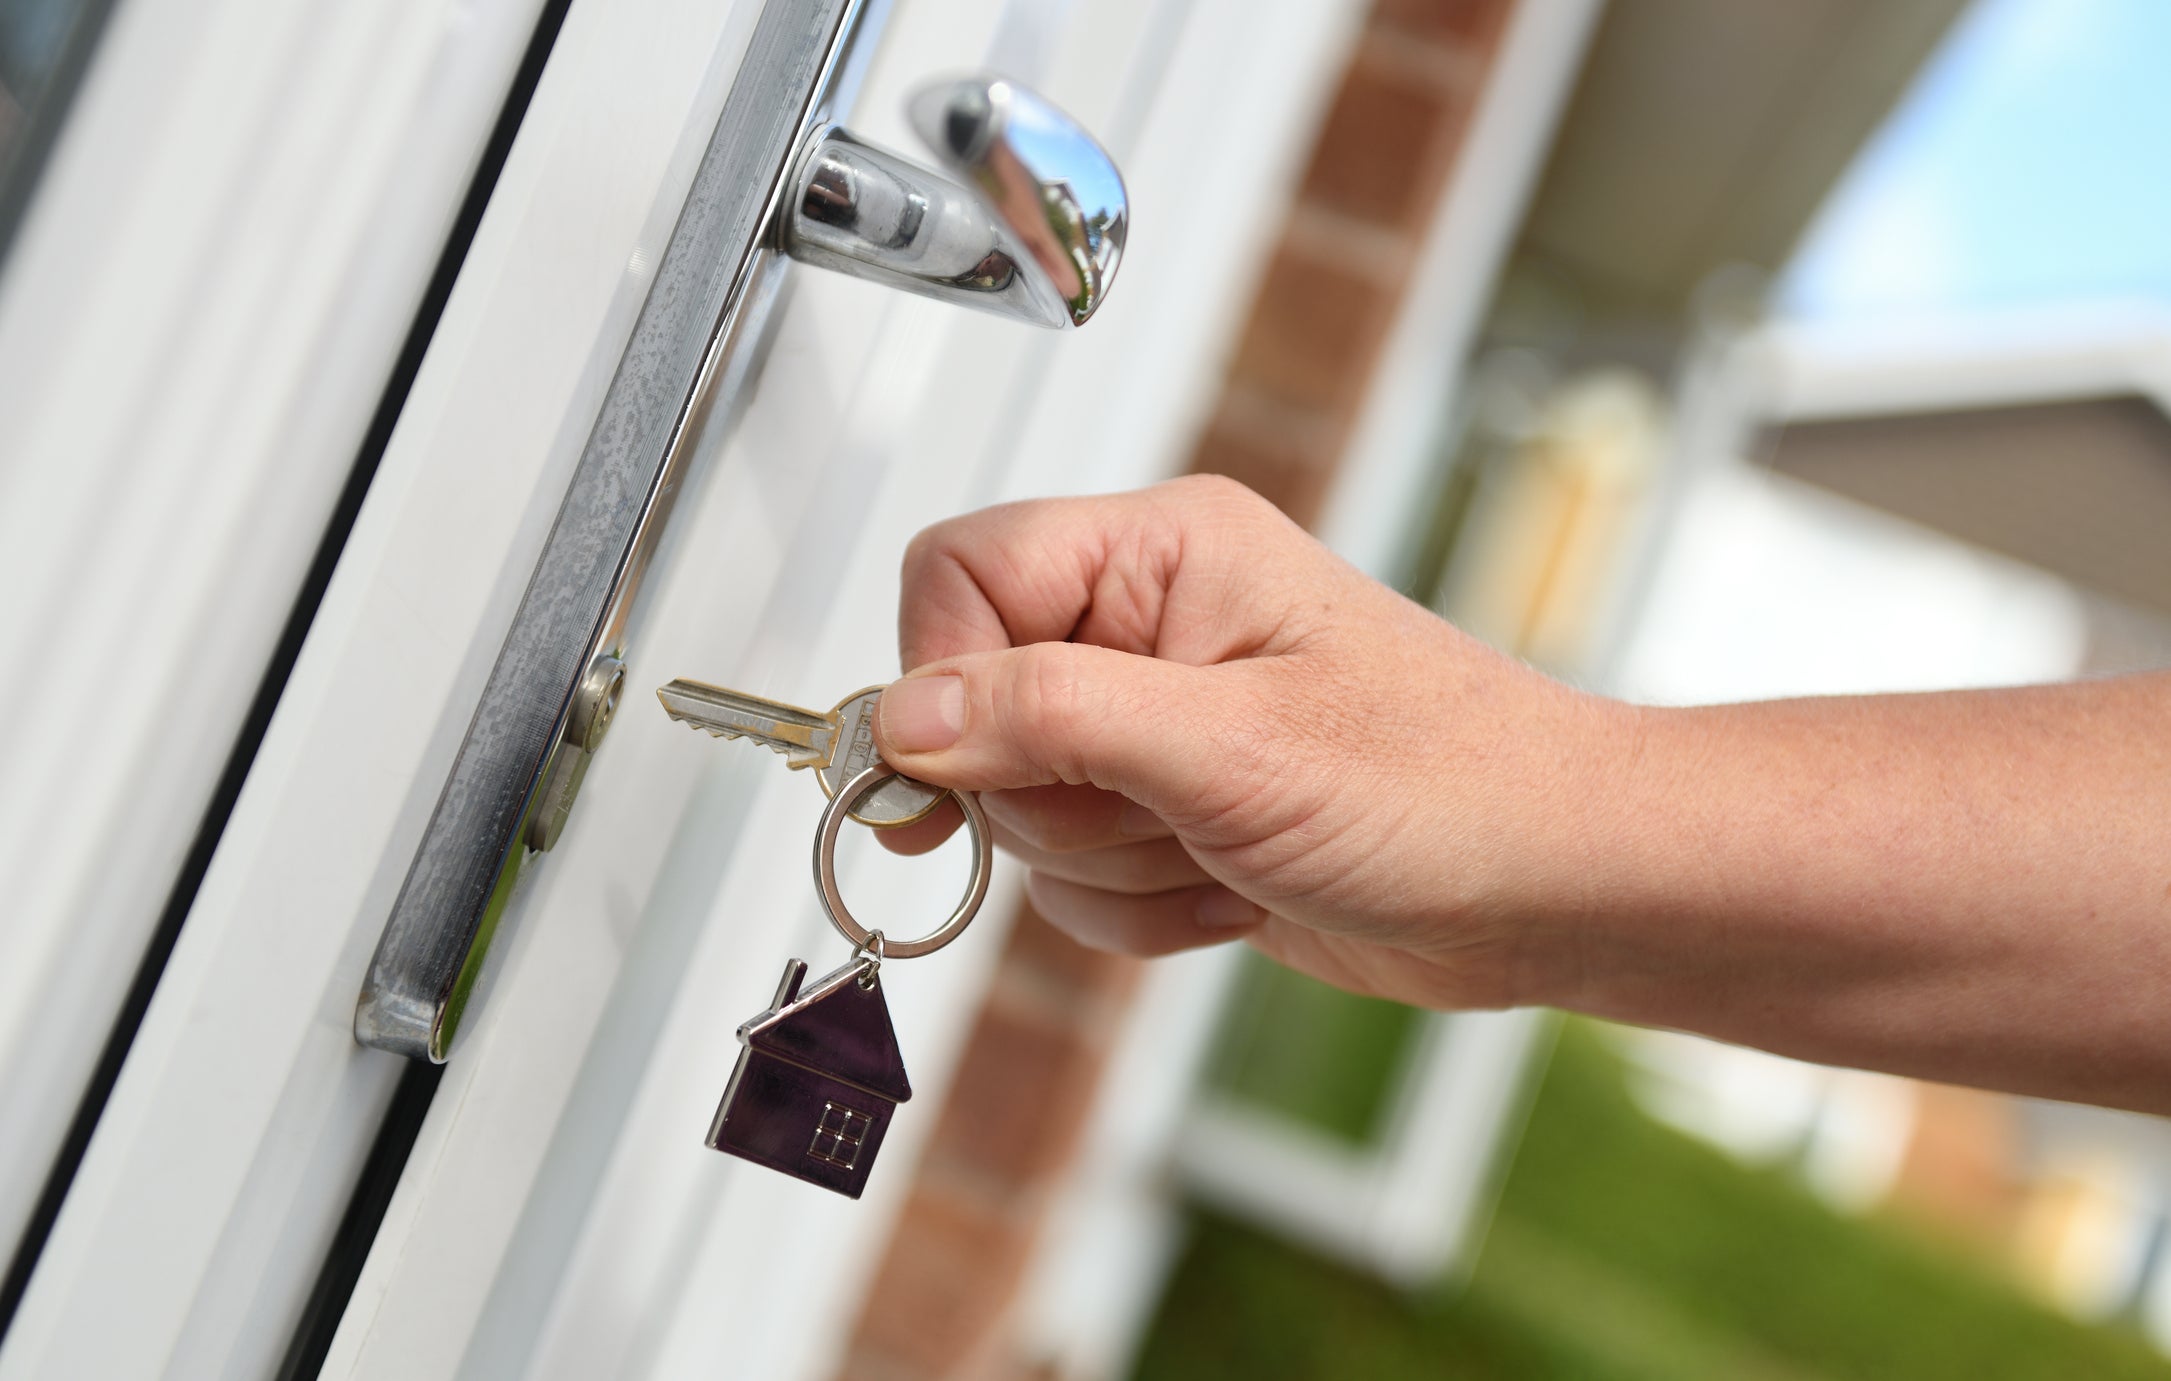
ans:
(1324, 1058)
(44, 47)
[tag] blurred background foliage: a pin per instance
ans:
(1620, 1248)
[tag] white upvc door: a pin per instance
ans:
(557, 1215)
(197, 317)
(560, 1216)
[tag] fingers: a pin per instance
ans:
(1066, 819)
(1161, 923)
(1054, 819)
(924, 835)
(1079, 833)
(1185, 742)
(1103, 570)
(1157, 865)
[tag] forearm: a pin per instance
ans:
(1193, 723)
(1973, 886)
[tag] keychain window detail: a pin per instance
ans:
(841, 1133)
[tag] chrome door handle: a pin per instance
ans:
(1028, 224)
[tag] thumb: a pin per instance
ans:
(1172, 737)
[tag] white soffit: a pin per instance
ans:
(1827, 371)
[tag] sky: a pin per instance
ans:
(2029, 164)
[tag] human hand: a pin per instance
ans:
(1193, 722)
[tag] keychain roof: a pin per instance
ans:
(836, 1027)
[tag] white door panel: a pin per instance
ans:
(680, 887)
(220, 1167)
(195, 325)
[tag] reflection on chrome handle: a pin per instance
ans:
(1029, 222)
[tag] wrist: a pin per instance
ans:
(1593, 849)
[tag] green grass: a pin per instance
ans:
(1622, 1249)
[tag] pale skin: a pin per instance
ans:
(1193, 724)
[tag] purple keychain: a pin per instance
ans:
(820, 1074)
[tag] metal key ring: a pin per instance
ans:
(825, 869)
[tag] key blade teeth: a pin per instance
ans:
(712, 730)
(793, 757)
(803, 738)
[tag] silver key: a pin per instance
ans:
(838, 745)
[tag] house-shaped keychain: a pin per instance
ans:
(818, 1078)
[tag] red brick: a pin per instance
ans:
(1048, 959)
(1379, 156)
(1381, 253)
(1314, 332)
(865, 1364)
(1018, 1100)
(1289, 465)
(1469, 23)
(942, 1290)
(1960, 1173)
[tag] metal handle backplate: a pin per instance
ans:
(547, 701)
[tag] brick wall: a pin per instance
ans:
(940, 1300)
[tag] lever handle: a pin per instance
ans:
(1029, 223)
